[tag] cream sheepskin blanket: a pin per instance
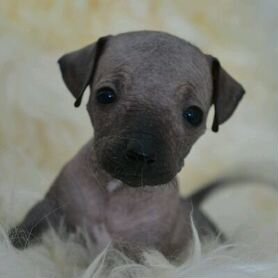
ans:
(40, 130)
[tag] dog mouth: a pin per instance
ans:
(136, 175)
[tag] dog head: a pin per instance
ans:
(150, 96)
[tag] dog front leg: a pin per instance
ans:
(44, 214)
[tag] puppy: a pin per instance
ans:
(150, 94)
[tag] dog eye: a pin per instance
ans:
(106, 95)
(193, 115)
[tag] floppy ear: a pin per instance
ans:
(78, 68)
(227, 93)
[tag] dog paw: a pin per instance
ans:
(19, 237)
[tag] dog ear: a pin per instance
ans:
(78, 67)
(227, 93)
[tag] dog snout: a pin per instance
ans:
(139, 159)
(140, 152)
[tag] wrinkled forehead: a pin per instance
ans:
(155, 57)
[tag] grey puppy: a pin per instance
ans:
(150, 96)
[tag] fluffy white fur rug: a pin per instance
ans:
(40, 130)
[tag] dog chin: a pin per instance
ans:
(138, 181)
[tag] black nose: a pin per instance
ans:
(140, 152)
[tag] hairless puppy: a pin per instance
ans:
(150, 94)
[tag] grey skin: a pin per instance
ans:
(121, 186)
